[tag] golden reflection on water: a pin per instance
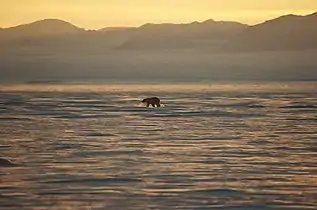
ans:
(166, 87)
(236, 146)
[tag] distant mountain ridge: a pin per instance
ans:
(162, 36)
(39, 29)
(115, 29)
(289, 32)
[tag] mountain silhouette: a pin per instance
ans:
(46, 27)
(115, 29)
(167, 36)
(52, 34)
(40, 33)
(289, 32)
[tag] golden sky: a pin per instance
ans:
(93, 14)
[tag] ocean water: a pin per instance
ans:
(212, 146)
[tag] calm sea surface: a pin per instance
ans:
(212, 146)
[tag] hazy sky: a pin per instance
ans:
(101, 13)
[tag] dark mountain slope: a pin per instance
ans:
(288, 32)
(167, 36)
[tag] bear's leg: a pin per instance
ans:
(147, 104)
(158, 105)
(153, 105)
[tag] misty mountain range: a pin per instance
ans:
(281, 49)
(290, 32)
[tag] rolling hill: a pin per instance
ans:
(290, 32)
(192, 35)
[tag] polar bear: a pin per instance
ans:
(152, 101)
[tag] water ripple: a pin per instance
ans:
(205, 149)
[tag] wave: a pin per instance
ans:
(98, 181)
(299, 106)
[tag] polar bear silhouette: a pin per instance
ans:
(152, 101)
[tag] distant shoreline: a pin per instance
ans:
(162, 88)
(125, 81)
